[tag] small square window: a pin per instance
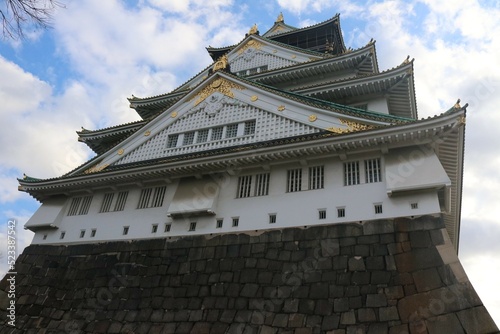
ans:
(82, 233)
(236, 221)
(154, 228)
(62, 235)
(45, 237)
(216, 133)
(219, 223)
(125, 230)
(167, 227)
(192, 226)
(172, 141)
(231, 130)
(188, 138)
(272, 218)
(378, 208)
(322, 214)
(340, 212)
(93, 232)
(414, 206)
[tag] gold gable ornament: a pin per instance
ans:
(280, 18)
(254, 30)
(220, 85)
(221, 64)
(351, 127)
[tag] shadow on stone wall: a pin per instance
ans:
(384, 276)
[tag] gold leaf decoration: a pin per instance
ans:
(254, 98)
(174, 114)
(250, 44)
(220, 85)
(351, 127)
(96, 168)
(312, 118)
(147, 133)
(281, 108)
(120, 151)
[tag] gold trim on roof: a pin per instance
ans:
(95, 169)
(220, 85)
(280, 18)
(351, 127)
(253, 30)
(250, 44)
(221, 64)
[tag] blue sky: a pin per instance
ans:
(98, 53)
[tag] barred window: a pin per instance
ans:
(340, 212)
(106, 202)
(125, 230)
(192, 226)
(316, 177)
(202, 136)
(150, 199)
(351, 173)
(216, 133)
(236, 221)
(121, 200)
(372, 171)
(322, 214)
(249, 128)
(62, 235)
(262, 184)
(172, 141)
(93, 232)
(272, 218)
(244, 186)
(378, 208)
(80, 206)
(167, 227)
(219, 223)
(82, 233)
(232, 131)
(188, 138)
(294, 180)
(154, 228)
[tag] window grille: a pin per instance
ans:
(244, 186)
(378, 208)
(262, 184)
(84, 209)
(322, 214)
(340, 212)
(167, 227)
(414, 206)
(249, 128)
(106, 202)
(62, 235)
(351, 173)
(121, 200)
(150, 199)
(294, 180)
(82, 233)
(316, 177)
(188, 138)
(236, 221)
(217, 133)
(93, 233)
(125, 230)
(272, 218)
(172, 141)
(232, 131)
(158, 197)
(219, 223)
(79, 206)
(154, 228)
(192, 226)
(372, 171)
(202, 136)
(144, 198)
(75, 204)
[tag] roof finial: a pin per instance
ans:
(221, 64)
(407, 60)
(280, 18)
(253, 30)
(457, 105)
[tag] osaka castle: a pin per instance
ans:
(287, 128)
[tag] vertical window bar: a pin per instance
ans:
(144, 198)
(121, 200)
(73, 208)
(106, 202)
(84, 209)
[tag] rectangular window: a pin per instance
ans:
(125, 230)
(236, 221)
(62, 235)
(192, 226)
(253, 70)
(167, 227)
(82, 233)
(150, 199)
(372, 171)
(45, 237)
(351, 173)
(262, 184)
(244, 186)
(106, 202)
(378, 208)
(249, 128)
(144, 198)
(202, 136)
(231, 130)
(340, 212)
(216, 133)
(84, 208)
(294, 180)
(322, 214)
(172, 141)
(154, 228)
(75, 204)
(121, 200)
(93, 232)
(263, 68)
(188, 138)
(219, 223)
(272, 218)
(414, 206)
(316, 177)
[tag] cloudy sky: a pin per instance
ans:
(98, 53)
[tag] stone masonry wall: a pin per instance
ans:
(385, 276)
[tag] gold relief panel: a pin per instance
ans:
(351, 127)
(147, 133)
(174, 114)
(254, 98)
(250, 44)
(120, 151)
(281, 108)
(313, 118)
(95, 169)
(220, 85)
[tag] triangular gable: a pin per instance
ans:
(224, 101)
(256, 54)
(278, 28)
